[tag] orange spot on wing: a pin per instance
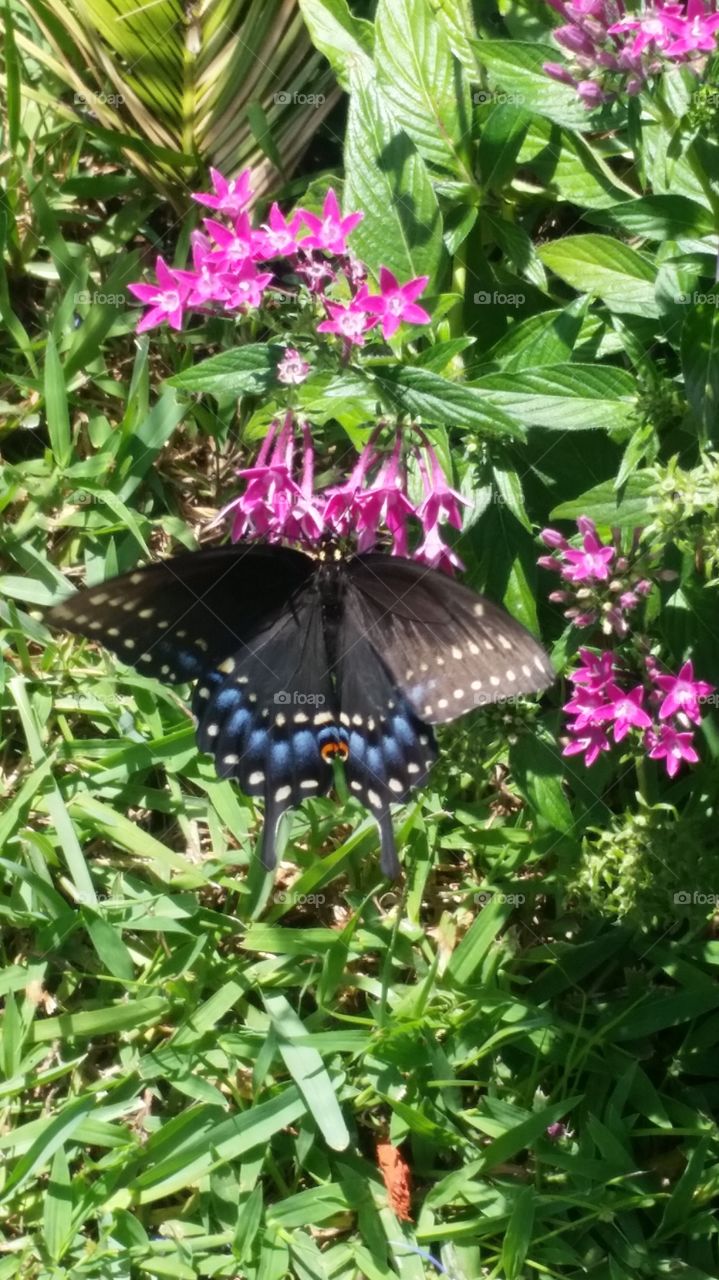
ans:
(395, 1171)
(331, 749)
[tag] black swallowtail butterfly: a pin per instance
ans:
(299, 660)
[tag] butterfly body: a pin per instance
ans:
(301, 661)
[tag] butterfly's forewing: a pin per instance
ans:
(390, 750)
(180, 617)
(448, 649)
(268, 716)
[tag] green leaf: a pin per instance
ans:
(438, 400)
(108, 943)
(247, 370)
(660, 217)
(13, 96)
(571, 397)
(538, 771)
(545, 339)
(570, 168)
(58, 1207)
(502, 135)
(387, 178)
(700, 362)
(308, 1072)
(418, 77)
(56, 407)
(518, 1236)
(516, 66)
(627, 508)
(476, 943)
(621, 277)
(345, 40)
(55, 1132)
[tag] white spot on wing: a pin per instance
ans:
(283, 793)
(256, 778)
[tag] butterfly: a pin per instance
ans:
(303, 660)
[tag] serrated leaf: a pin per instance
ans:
(387, 178)
(435, 399)
(418, 76)
(517, 67)
(569, 397)
(621, 277)
(242, 371)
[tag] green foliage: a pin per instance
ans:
(195, 1062)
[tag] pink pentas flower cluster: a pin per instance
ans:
(601, 583)
(279, 502)
(610, 50)
(233, 261)
(659, 708)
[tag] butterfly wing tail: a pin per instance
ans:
(388, 862)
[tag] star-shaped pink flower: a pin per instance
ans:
(592, 562)
(396, 302)
(672, 747)
(625, 710)
(348, 321)
(329, 231)
(231, 196)
(592, 742)
(278, 235)
(682, 694)
(166, 299)
(246, 287)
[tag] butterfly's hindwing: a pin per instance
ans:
(390, 750)
(178, 618)
(448, 649)
(268, 715)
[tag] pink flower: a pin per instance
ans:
(435, 553)
(592, 741)
(348, 320)
(585, 704)
(271, 493)
(246, 287)
(651, 27)
(396, 302)
(230, 197)
(671, 747)
(682, 694)
(554, 539)
(210, 285)
(696, 32)
(292, 369)
(625, 710)
(591, 563)
(442, 502)
(329, 231)
(166, 299)
(280, 236)
(598, 670)
(235, 246)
